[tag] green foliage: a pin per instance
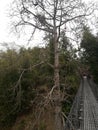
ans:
(89, 44)
(42, 126)
(17, 82)
(24, 72)
(69, 76)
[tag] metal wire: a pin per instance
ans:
(84, 112)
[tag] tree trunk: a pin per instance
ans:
(58, 107)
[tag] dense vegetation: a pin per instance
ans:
(42, 80)
(26, 77)
(89, 46)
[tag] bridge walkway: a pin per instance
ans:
(84, 111)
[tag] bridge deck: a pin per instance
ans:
(90, 108)
(86, 107)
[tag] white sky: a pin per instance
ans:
(5, 35)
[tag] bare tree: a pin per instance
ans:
(50, 16)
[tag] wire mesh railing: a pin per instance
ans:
(74, 119)
(84, 112)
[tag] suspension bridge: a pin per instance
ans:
(84, 112)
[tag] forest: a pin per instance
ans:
(26, 79)
(38, 84)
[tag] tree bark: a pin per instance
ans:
(58, 107)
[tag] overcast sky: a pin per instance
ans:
(5, 35)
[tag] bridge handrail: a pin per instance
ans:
(74, 121)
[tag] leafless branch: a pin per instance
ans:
(31, 36)
(31, 67)
(68, 120)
